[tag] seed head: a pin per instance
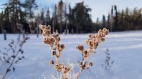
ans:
(81, 63)
(80, 47)
(87, 41)
(48, 33)
(58, 38)
(57, 46)
(85, 53)
(66, 70)
(101, 34)
(90, 44)
(59, 67)
(52, 40)
(57, 34)
(41, 27)
(54, 35)
(90, 64)
(98, 35)
(53, 53)
(106, 32)
(49, 27)
(46, 41)
(83, 67)
(62, 46)
(102, 39)
(45, 32)
(51, 62)
(92, 36)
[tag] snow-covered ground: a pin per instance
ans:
(125, 49)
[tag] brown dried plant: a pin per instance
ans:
(92, 43)
(53, 41)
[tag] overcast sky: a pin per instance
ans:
(99, 7)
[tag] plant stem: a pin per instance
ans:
(12, 61)
(78, 73)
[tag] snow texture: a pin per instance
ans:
(125, 49)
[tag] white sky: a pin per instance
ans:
(99, 7)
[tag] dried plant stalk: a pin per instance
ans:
(92, 43)
(53, 41)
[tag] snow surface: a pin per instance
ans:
(125, 49)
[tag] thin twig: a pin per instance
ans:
(14, 58)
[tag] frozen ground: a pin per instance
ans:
(125, 49)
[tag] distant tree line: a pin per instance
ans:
(128, 19)
(65, 18)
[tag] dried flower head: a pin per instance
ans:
(85, 53)
(95, 45)
(92, 36)
(59, 67)
(87, 41)
(98, 35)
(52, 40)
(102, 39)
(106, 32)
(53, 53)
(49, 27)
(46, 41)
(81, 63)
(55, 35)
(41, 27)
(51, 62)
(58, 38)
(90, 64)
(62, 46)
(66, 70)
(90, 44)
(80, 47)
(83, 67)
(46, 30)
(57, 46)
(101, 34)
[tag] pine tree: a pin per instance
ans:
(116, 17)
(108, 20)
(60, 14)
(104, 22)
(48, 17)
(42, 18)
(111, 19)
